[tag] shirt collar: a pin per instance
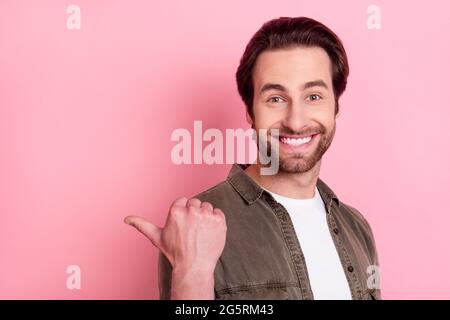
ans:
(251, 191)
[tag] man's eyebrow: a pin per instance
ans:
(315, 83)
(273, 86)
(279, 87)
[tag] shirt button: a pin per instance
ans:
(336, 230)
(350, 268)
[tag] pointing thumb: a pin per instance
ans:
(148, 229)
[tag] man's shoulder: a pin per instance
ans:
(349, 212)
(220, 187)
(359, 224)
(221, 195)
(355, 215)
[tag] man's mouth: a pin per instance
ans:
(294, 141)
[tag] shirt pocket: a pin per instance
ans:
(253, 293)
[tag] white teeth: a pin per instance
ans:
(296, 142)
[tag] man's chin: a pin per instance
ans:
(296, 165)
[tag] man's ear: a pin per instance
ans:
(249, 119)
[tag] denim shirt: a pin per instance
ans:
(262, 258)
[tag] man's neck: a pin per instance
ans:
(291, 185)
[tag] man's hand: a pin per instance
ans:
(192, 240)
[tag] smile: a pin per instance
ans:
(295, 141)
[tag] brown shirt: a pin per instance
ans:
(262, 258)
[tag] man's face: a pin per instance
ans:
(293, 92)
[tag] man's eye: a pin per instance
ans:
(275, 99)
(314, 97)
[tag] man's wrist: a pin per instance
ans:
(192, 285)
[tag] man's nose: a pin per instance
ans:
(296, 117)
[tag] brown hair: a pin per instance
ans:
(287, 32)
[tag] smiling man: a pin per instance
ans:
(288, 235)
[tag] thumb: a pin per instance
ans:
(148, 229)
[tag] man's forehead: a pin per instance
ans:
(299, 64)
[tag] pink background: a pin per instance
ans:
(86, 117)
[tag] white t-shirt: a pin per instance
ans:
(326, 274)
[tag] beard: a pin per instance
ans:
(300, 162)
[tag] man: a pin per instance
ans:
(281, 236)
